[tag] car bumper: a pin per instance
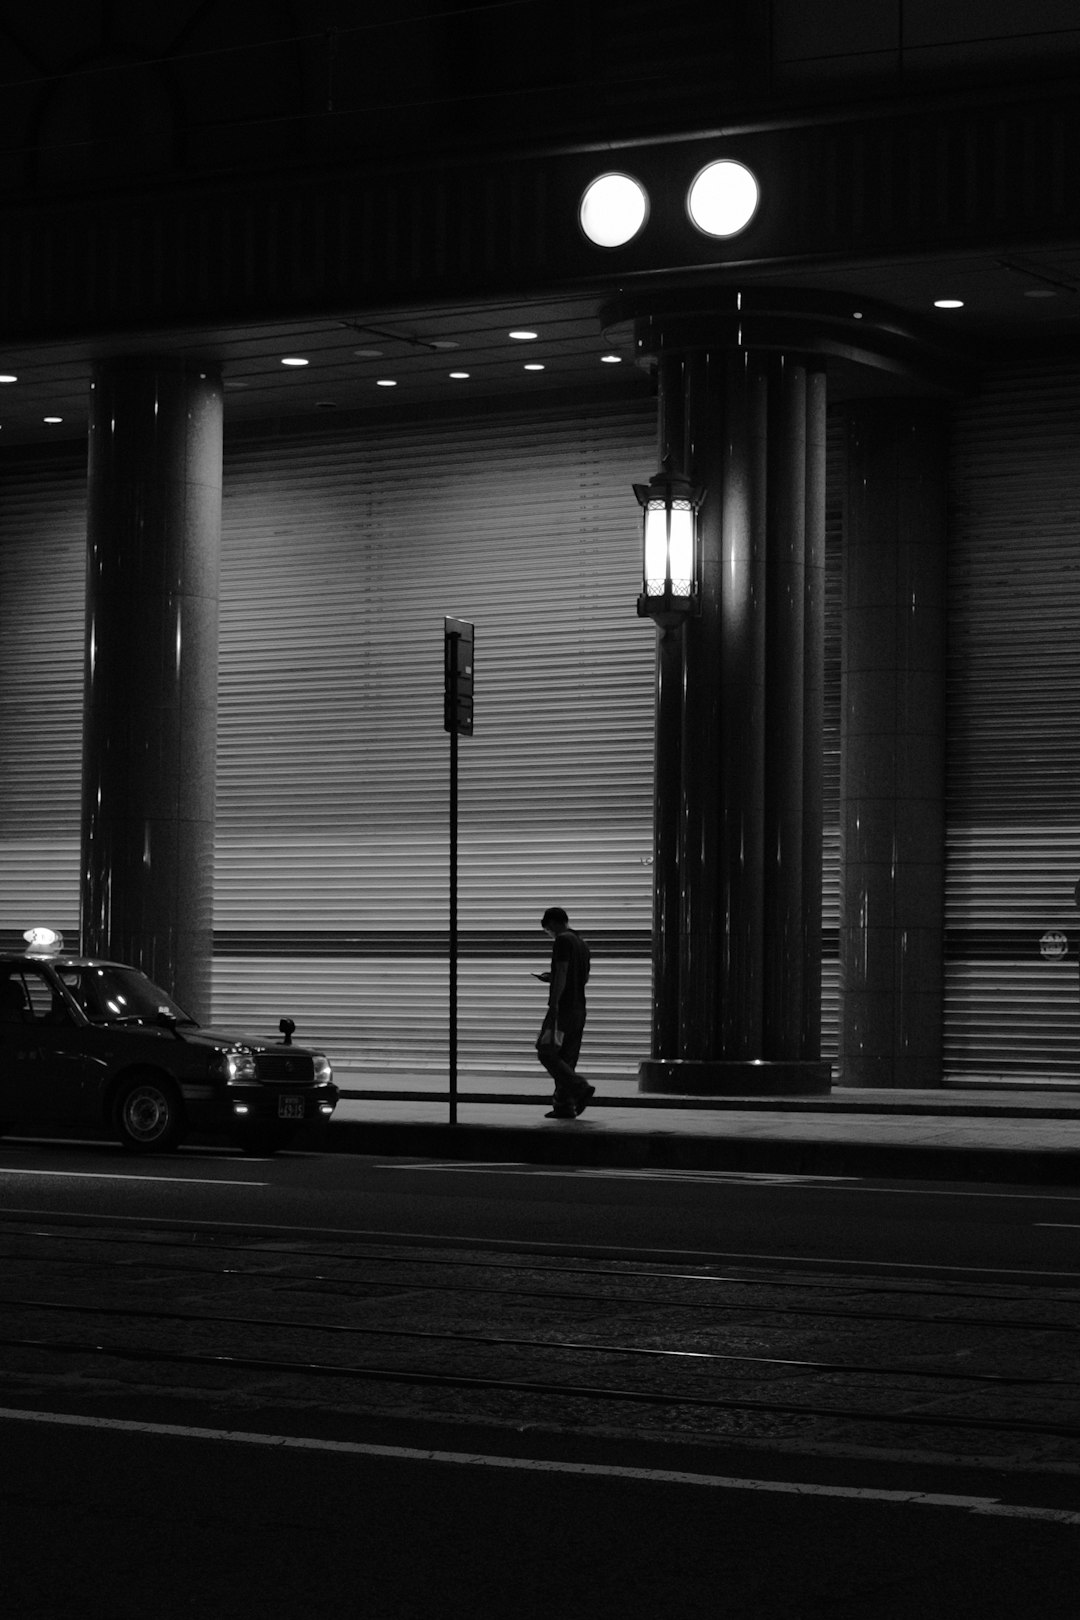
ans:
(236, 1107)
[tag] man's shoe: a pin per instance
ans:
(584, 1100)
(562, 1113)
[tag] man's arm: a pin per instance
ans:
(557, 985)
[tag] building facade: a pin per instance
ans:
(331, 363)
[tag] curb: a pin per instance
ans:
(588, 1147)
(947, 1105)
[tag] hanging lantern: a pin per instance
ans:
(670, 572)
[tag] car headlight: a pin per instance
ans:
(235, 1063)
(323, 1072)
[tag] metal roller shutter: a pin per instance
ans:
(835, 490)
(341, 555)
(342, 551)
(1014, 744)
(42, 592)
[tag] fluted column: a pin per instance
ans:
(739, 801)
(153, 544)
(667, 763)
(749, 917)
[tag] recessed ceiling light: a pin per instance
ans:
(293, 360)
(948, 303)
(368, 354)
(460, 375)
(611, 359)
(1031, 292)
(386, 382)
(8, 376)
(535, 366)
(445, 343)
(856, 314)
(524, 337)
(52, 419)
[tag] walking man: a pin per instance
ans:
(559, 1041)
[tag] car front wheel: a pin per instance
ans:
(148, 1115)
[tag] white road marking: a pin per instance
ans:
(979, 1505)
(854, 1184)
(602, 1173)
(102, 1175)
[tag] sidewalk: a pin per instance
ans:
(1022, 1135)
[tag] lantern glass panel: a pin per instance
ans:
(656, 548)
(681, 548)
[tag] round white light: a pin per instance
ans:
(293, 360)
(613, 210)
(523, 337)
(535, 366)
(52, 419)
(7, 376)
(948, 303)
(460, 376)
(386, 382)
(611, 359)
(723, 199)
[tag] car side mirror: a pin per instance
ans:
(167, 1020)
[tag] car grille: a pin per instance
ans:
(285, 1067)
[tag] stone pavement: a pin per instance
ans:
(995, 1133)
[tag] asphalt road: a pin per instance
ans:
(123, 1499)
(906, 1226)
(132, 1525)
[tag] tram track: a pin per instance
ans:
(802, 1364)
(747, 1280)
(563, 1390)
(533, 1337)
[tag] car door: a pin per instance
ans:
(44, 1067)
(16, 1043)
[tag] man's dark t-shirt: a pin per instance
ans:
(570, 948)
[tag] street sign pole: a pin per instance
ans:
(457, 718)
(453, 902)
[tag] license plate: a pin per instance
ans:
(290, 1107)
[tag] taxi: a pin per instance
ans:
(96, 1043)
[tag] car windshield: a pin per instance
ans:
(111, 995)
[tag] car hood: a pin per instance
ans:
(203, 1036)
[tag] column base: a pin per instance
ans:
(694, 1078)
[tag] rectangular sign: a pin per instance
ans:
(458, 645)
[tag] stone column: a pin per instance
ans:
(153, 548)
(667, 759)
(892, 777)
(739, 800)
(751, 734)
